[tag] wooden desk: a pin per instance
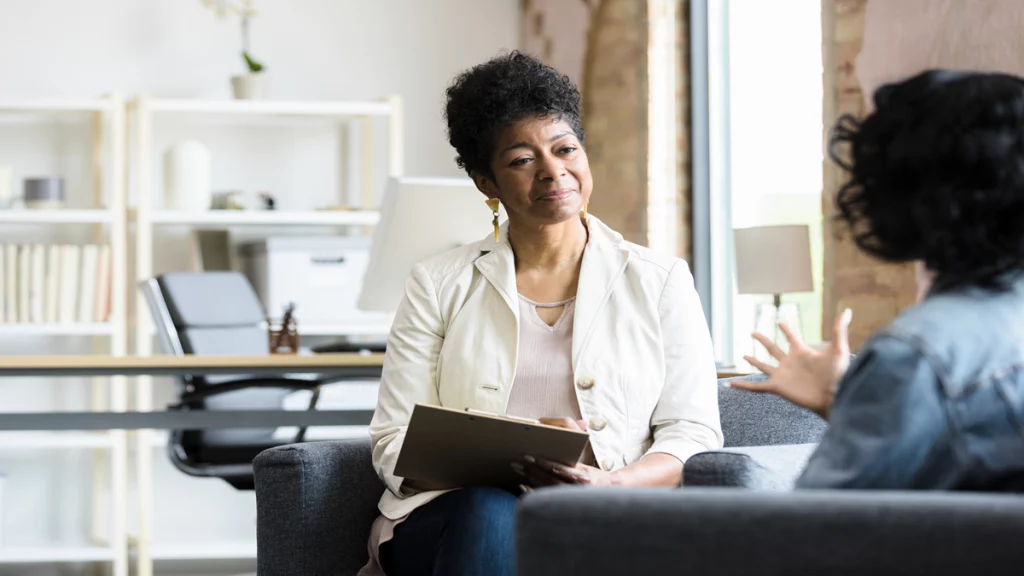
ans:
(100, 365)
(341, 366)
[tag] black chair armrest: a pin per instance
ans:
(246, 383)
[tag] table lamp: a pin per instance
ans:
(773, 260)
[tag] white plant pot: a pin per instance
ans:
(249, 86)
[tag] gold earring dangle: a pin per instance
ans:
(493, 204)
(585, 210)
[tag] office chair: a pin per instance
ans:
(218, 313)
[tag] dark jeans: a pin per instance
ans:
(469, 532)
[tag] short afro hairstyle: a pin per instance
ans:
(937, 174)
(486, 99)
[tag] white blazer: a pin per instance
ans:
(641, 352)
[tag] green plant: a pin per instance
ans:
(245, 10)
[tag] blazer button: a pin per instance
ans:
(597, 424)
(585, 383)
(607, 464)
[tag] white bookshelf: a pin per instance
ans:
(112, 103)
(30, 441)
(267, 218)
(55, 554)
(263, 108)
(106, 223)
(18, 330)
(29, 216)
(149, 115)
(225, 550)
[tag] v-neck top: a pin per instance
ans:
(543, 385)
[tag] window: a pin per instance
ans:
(762, 149)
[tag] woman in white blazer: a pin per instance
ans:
(555, 317)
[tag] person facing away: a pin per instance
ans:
(935, 400)
(553, 316)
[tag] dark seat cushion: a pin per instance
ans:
(759, 419)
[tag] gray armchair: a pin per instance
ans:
(315, 501)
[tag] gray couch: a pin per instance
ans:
(722, 532)
(710, 531)
(316, 501)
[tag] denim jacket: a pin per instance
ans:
(933, 401)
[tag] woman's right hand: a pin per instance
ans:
(804, 376)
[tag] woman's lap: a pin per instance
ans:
(469, 531)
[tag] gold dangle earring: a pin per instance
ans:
(585, 210)
(493, 204)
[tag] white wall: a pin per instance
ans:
(313, 50)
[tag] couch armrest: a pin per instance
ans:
(315, 503)
(754, 467)
(724, 532)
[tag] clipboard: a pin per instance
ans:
(460, 448)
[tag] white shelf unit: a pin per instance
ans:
(28, 216)
(31, 441)
(71, 329)
(70, 553)
(107, 223)
(226, 550)
(148, 217)
(267, 218)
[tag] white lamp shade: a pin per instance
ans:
(420, 218)
(773, 259)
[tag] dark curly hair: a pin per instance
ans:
(937, 174)
(487, 98)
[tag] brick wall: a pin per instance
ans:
(683, 131)
(611, 68)
(875, 291)
(615, 106)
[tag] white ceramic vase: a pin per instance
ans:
(187, 177)
(249, 86)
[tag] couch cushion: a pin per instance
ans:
(760, 419)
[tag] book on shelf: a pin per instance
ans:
(3, 286)
(37, 283)
(87, 289)
(10, 302)
(24, 282)
(62, 284)
(51, 296)
(101, 304)
(70, 255)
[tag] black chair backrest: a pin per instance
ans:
(215, 313)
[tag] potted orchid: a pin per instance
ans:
(253, 84)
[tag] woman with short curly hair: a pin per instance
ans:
(552, 317)
(935, 400)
